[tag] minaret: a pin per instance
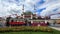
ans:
(23, 10)
(35, 11)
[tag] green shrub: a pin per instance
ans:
(26, 28)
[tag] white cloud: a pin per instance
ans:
(52, 7)
(57, 16)
(6, 6)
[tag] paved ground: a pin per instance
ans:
(56, 26)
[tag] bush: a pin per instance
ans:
(26, 28)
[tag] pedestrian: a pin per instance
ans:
(48, 23)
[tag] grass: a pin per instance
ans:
(54, 32)
(26, 33)
(29, 32)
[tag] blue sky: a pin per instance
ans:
(15, 6)
(43, 7)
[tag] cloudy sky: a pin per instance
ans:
(43, 7)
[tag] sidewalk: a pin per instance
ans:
(56, 26)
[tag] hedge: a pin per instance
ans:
(26, 28)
